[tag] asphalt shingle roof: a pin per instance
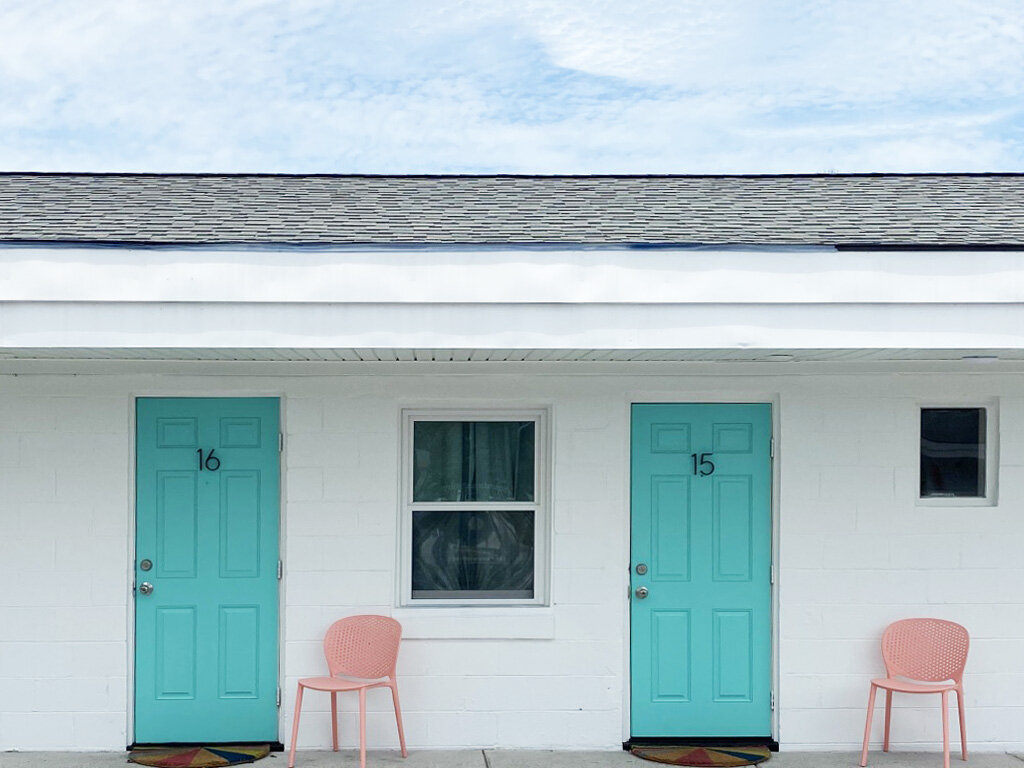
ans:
(870, 209)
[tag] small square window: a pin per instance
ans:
(474, 507)
(954, 453)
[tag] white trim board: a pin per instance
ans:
(509, 275)
(502, 326)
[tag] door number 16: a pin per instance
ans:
(210, 463)
(702, 464)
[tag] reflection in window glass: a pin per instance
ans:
(472, 554)
(953, 452)
(473, 461)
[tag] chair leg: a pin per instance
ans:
(963, 723)
(362, 728)
(867, 726)
(888, 718)
(295, 727)
(334, 718)
(945, 729)
(398, 718)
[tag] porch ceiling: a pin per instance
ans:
(266, 354)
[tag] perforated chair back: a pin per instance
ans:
(925, 649)
(363, 646)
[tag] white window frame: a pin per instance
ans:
(540, 505)
(991, 457)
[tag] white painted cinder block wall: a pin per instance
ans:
(855, 553)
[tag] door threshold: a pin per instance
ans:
(706, 741)
(275, 746)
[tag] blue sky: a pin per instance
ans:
(512, 86)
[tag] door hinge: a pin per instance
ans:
(280, 442)
(280, 569)
(279, 698)
(771, 574)
(771, 448)
(772, 700)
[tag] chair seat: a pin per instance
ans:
(338, 683)
(906, 686)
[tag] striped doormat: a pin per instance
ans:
(198, 757)
(704, 757)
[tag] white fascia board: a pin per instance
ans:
(508, 275)
(490, 326)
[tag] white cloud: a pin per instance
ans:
(556, 86)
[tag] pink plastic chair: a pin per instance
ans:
(930, 650)
(363, 647)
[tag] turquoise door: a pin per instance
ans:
(206, 598)
(701, 558)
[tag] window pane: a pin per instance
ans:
(473, 461)
(952, 452)
(472, 554)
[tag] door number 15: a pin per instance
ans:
(702, 464)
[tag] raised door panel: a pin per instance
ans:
(670, 528)
(732, 528)
(177, 524)
(670, 633)
(733, 656)
(239, 662)
(240, 514)
(176, 671)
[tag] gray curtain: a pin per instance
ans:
(473, 461)
(470, 553)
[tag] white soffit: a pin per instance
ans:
(386, 355)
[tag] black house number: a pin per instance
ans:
(702, 464)
(211, 463)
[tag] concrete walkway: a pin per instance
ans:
(520, 758)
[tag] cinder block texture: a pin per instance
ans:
(855, 551)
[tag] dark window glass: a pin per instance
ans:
(473, 461)
(952, 452)
(472, 554)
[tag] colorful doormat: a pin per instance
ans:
(198, 757)
(704, 756)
